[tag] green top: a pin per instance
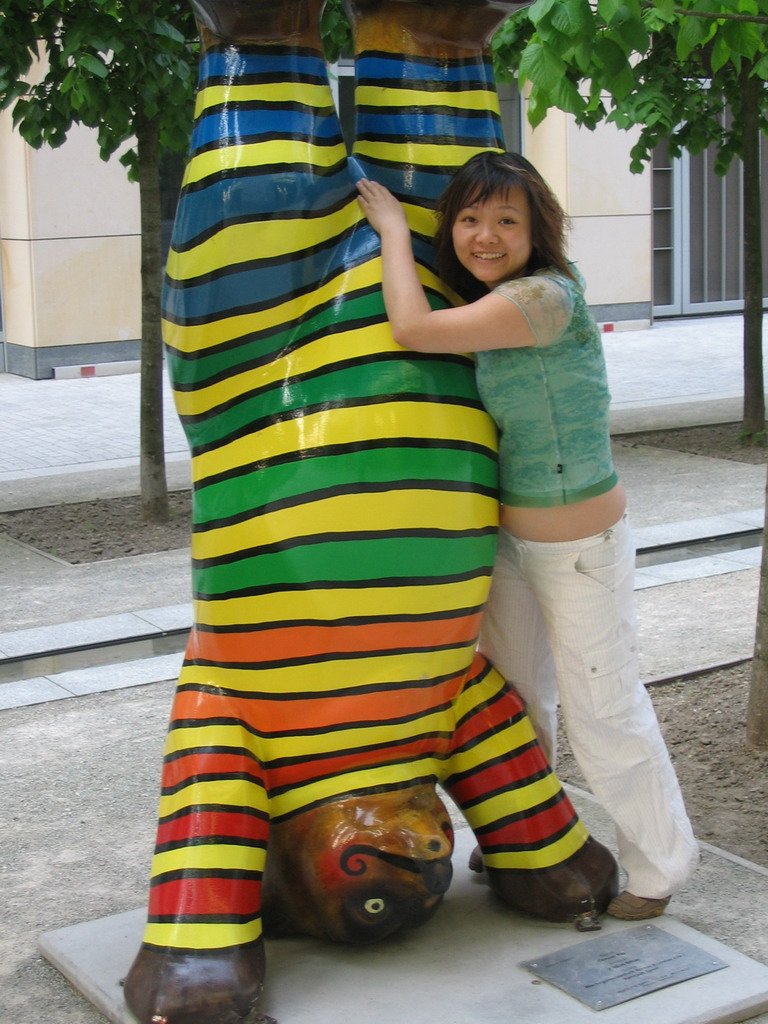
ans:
(550, 400)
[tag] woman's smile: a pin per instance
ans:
(492, 239)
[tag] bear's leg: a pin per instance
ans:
(537, 854)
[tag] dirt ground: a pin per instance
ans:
(704, 719)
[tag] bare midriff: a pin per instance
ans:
(565, 522)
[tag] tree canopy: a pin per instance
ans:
(105, 64)
(669, 67)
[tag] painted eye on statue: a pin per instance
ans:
(375, 906)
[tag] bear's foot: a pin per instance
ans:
(211, 987)
(577, 891)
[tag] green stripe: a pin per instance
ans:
(353, 384)
(231, 357)
(254, 490)
(348, 560)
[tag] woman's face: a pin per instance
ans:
(492, 239)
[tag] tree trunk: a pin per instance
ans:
(753, 424)
(757, 707)
(754, 396)
(154, 488)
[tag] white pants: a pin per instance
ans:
(560, 619)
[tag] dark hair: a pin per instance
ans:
(488, 174)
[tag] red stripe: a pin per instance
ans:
(213, 823)
(207, 896)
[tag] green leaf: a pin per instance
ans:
(665, 9)
(608, 9)
(693, 32)
(93, 64)
(542, 66)
(163, 28)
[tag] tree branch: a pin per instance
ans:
(755, 19)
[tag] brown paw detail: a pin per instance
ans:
(259, 21)
(430, 28)
(214, 987)
(575, 891)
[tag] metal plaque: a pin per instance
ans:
(616, 968)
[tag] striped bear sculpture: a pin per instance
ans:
(345, 513)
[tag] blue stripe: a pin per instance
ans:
(415, 126)
(233, 63)
(257, 195)
(233, 125)
(413, 73)
(265, 286)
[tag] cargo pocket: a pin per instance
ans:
(611, 679)
(598, 562)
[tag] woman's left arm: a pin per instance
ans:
(490, 322)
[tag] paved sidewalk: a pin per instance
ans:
(55, 433)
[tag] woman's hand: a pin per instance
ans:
(383, 211)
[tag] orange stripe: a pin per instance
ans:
(298, 774)
(291, 642)
(294, 716)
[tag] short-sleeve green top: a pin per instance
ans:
(550, 400)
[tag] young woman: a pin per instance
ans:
(560, 615)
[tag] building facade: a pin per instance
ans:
(664, 242)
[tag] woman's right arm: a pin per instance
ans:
(490, 322)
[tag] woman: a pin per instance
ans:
(560, 615)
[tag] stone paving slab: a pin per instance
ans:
(144, 622)
(464, 965)
(95, 679)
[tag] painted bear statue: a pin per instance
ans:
(345, 512)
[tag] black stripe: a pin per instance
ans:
(353, 487)
(259, 170)
(361, 791)
(370, 401)
(319, 659)
(225, 692)
(348, 447)
(228, 222)
(389, 582)
(195, 809)
(329, 537)
(338, 622)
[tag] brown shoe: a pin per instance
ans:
(628, 907)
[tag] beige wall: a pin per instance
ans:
(69, 234)
(610, 211)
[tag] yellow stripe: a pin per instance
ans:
(469, 99)
(209, 857)
(279, 151)
(500, 744)
(318, 96)
(243, 791)
(413, 152)
(340, 426)
(189, 738)
(421, 220)
(311, 604)
(199, 337)
(324, 351)
(524, 799)
(549, 856)
(348, 513)
(314, 677)
(299, 797)
(202, 936)
(240, 243)
(307, 747)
